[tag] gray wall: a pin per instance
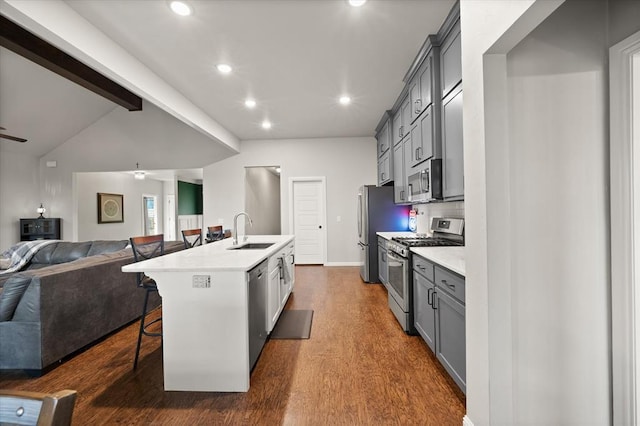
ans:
(117, 142)
(87, 187)
(347, 163)
(536, 204)
(262, 201)
(19, 194)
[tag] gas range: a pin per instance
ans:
(446, 232)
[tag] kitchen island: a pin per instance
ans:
(205, 309)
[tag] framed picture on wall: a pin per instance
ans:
(110, 208)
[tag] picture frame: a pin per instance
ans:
(110, 208)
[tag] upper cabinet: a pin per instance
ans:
(451, 59)
(384, 138)
(385, 154)
(451, 120)
(427, 117)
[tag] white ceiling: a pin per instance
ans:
(295, 57)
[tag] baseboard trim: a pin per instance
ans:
(466, 421)
(342, 264)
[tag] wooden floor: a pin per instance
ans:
(358, 368)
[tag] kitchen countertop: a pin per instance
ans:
(213, 256)
(450, 257)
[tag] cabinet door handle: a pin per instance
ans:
(419, 153)
(400, 131)
(384, 257)
(433, 300)
(453, 286)
(429, 296)
(402, 195)
(382, 176)
(418, 104)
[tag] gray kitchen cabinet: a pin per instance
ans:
(450, 59)
(385, 171)
(450, 335)
(384, 139)
(424, 316)
(452, 146)
(383, 263)
(439, 315)
(401, 120)
(424, 136)
(424, 83)
(399, 176)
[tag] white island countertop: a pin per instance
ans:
(214, 256)
(450, 257)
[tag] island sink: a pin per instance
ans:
(251, 246)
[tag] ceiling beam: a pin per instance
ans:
(32, 47)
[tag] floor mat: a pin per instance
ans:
(293, 324)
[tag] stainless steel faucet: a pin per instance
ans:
(235, 227)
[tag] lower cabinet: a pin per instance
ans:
(439, 315)
(280, 285)
(273, 295)
(424, 317)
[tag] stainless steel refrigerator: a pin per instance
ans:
(377, 213)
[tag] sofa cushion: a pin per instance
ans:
(11, 294)
(102, 246)
(43, 256)
(67, 251)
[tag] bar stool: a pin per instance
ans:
(146, 247)
(215, 233)
(192, 238)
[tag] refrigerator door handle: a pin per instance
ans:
(359, 214)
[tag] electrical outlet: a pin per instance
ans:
(201, 281)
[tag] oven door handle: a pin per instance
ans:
(394, 256)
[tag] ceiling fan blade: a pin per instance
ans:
(13, 138)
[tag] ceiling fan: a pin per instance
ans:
(12, 138)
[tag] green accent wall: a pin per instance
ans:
(189, 198)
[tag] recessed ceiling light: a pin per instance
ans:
(357, 3)
(345, 100)
(250, 103)
(180, 8)
(266, 124)
(224, 68)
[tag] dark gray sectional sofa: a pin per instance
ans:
(69, 296)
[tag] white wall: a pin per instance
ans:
(87, 187)
(262, 201)
(558, 157)
(347, 163)
(536, 155)
(19, 194)
(117, 142)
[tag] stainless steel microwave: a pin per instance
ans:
(426, 184)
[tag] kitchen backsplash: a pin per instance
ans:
(428, 211)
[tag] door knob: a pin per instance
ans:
(319, 226)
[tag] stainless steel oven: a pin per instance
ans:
(399, 288)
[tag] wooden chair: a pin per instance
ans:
(215, 233)
(192, 238)
(35, 408)
(146, 247)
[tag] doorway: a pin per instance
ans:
(150, 214)
(262, 200)
(308, 219)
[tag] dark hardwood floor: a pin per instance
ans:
(358, 368)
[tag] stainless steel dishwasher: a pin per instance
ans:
(257, 311)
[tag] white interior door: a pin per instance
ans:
(308, 201)
(150, 214)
